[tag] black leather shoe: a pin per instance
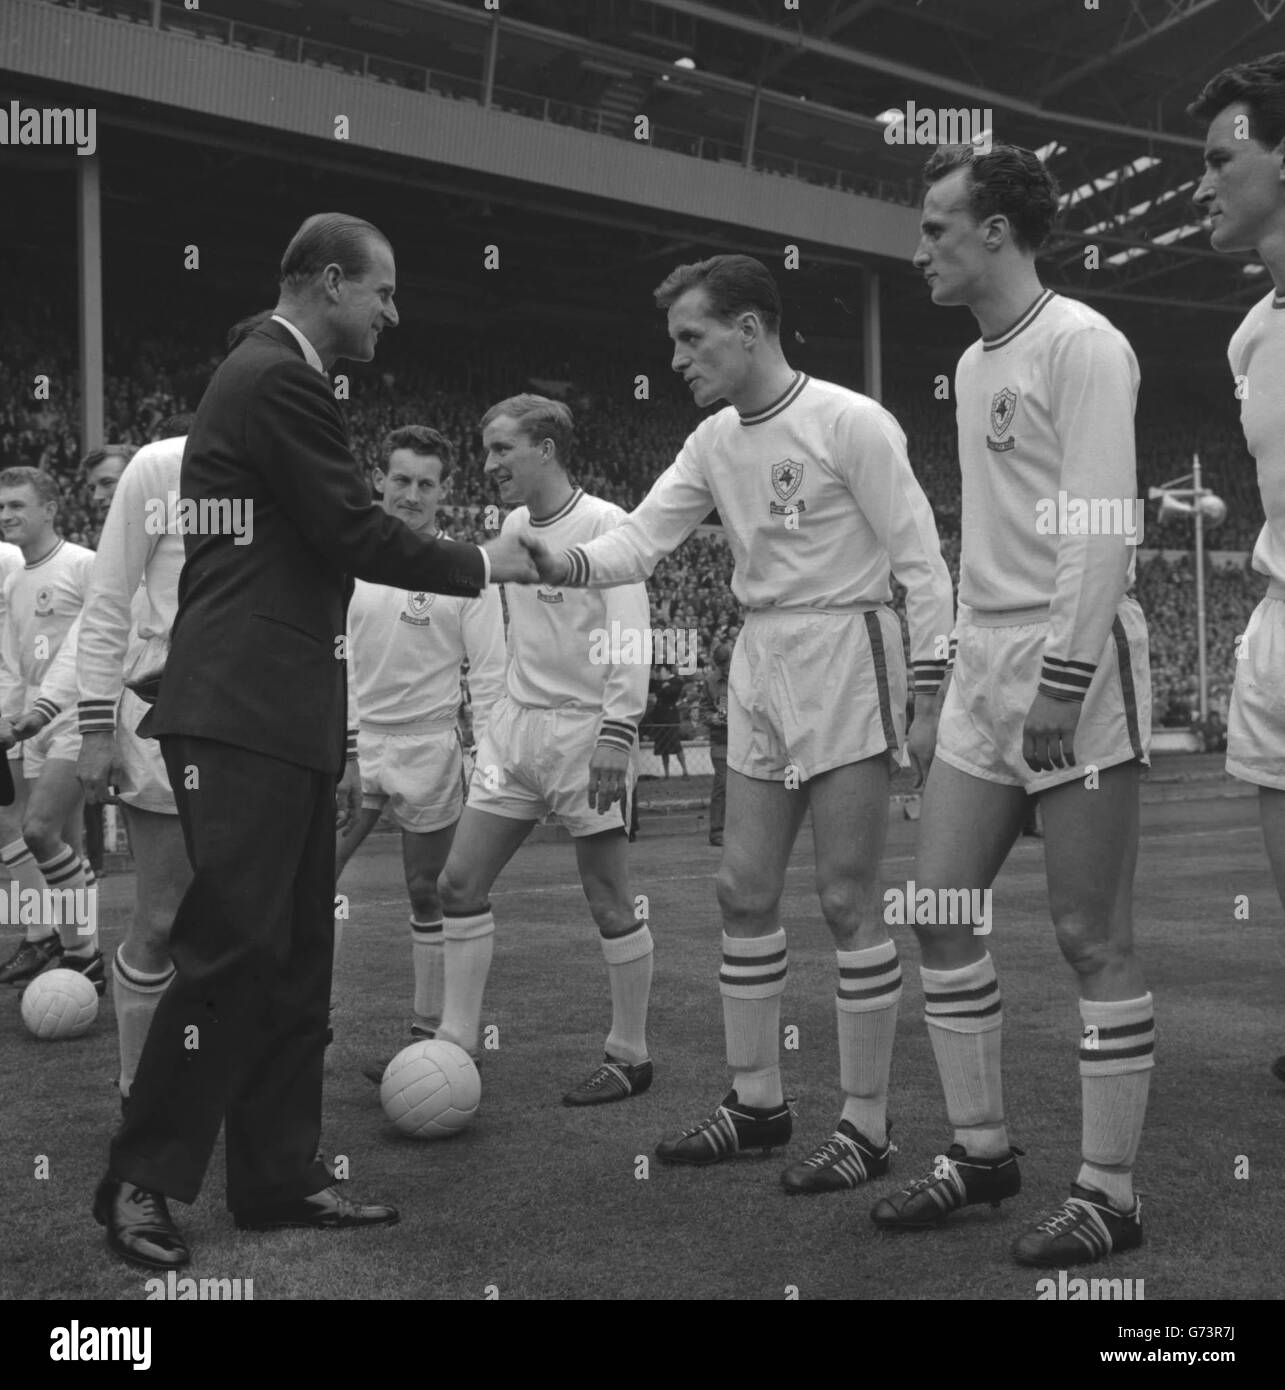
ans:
(139, 1226)
(327, 1210)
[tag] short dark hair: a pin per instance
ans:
(94, 457)
(538, 418)
(45, 484)
(1260, 84)
(242, 328)
(173, 426)
(733, 285)
(1007, 181)
(328, 238)
(419, 439)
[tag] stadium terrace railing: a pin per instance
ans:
(294, 48)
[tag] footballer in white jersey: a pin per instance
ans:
(123, 635)
(820, 506)
(1243, 197)
(1048, 695)
(560, 742)
(405, 651)
(41, 602)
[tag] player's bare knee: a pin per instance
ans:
(1086, 945)
(425, 900)
(612, 916)
(743, 901)
(41, 837)
(457, 893)
(845, 905)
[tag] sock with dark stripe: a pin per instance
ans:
(135, 993)
(629, 962)
(1117, 1053)
(752, 981)
(21, 863)
(428, 964)
(965, 1025)
(866, 1004)
(468, 943)
(90, 876)
(63, 872)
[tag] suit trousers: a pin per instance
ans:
(241, 1031)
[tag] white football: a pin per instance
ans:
(431, 1089)
(59, 1004)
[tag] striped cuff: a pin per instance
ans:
(618, 733)
(1066, 680)
(351, 751)
(96, 716)
(46, 709)
(577, 568)
(928, 676)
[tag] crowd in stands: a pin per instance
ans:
(623, 443)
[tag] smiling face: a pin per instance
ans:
(361, 307)
(412, 488)
(518, 465)
(24, 519)
(1242, 192)
(710, 355)
(952, 254)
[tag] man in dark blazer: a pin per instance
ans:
(251, 718)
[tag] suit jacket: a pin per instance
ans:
(256, 653)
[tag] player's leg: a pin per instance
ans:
(849, 827)
(1091, 849)
(1271, 810)
(424, 856)
(763, 819)
(141, 967)
(603, 861)
(347, 842)
(967, 828)
(56, 795)
(484, 843)
(40, 945)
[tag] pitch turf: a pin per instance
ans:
(540, 1201)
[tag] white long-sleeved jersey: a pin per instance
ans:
(41, 602)
(124, 629)
(1050, 515)
(586, 648)
(1257, 353)
(820, 508)
(404, 654)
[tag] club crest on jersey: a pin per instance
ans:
(44, 602)
(546, 594)
(1003, 409)
(417, 606)
(787, 477)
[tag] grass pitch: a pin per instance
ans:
(539, 1201)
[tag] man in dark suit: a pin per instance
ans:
(251, 719)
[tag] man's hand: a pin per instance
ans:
(348, 796)
(28, 724)
(553, 568)
(608, 777)
(7, 736)
(921, 742)
(510, 561)
(94, 766)
(1048, 737)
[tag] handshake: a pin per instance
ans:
(524, 560)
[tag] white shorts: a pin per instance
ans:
(995, 681)
(1256, 719)
(534, 763)
(812, 691)
(59, 739)
(417, 774)
(141, 778)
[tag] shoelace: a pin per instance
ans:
(704, 1124)
(834, 1147)
(149, 1202)
(599, 1078)
(1070, 1214)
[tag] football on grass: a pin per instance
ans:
(59, 1004)
(431, 1089)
